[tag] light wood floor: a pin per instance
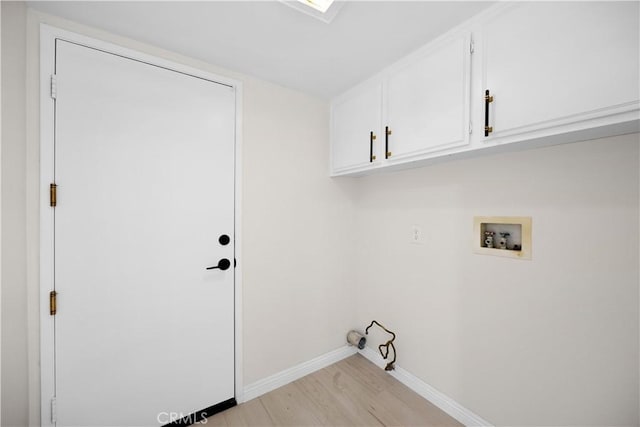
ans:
(352, 392)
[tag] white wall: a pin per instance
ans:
(296, 223)
(14, 292)
(0, 214)
(297, 226)
(551, 341)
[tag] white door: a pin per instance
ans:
(144, 164)
(428, 102)
(551, 63)
(355, 130)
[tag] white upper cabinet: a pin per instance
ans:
(556, 72)
(355, 130)
(553, 64)
(423, 103)
(427, 101)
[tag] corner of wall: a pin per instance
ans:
(0, 211)
(560, 329)
(14, 291)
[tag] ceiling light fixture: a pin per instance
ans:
(324, 10)
(321, 5)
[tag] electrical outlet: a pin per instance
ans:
(416, 235)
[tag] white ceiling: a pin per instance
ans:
(274, 42)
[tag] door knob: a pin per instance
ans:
(223, 264)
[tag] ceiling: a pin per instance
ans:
(274, 42)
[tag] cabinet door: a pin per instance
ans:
(555, 63)
(353, 119)
(427, 101)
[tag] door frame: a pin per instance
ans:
(48, 35)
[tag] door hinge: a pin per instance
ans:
(54, 86)
(53, 303)
(54, 411)
(470, 127)
(472, 46)
(53, 195)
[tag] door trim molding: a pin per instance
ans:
(48, 35)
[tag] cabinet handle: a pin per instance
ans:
(387, 132)
(372, 138)
(487, 100)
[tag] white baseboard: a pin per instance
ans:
(263, 386)
(442, 401)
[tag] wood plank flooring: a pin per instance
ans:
(352, 392)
